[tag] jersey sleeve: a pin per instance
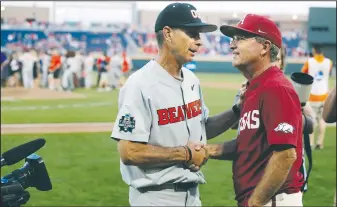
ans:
(281, 115)
(134, 118)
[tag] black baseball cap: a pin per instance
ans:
(182, 15)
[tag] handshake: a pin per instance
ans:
(196, 155)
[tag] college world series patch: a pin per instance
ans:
(127, 123)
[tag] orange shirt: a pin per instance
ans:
(55, 62)
(125, 66)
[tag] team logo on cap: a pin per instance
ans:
(195, 14)
(262, 31)
(127, 123)
(243, 19)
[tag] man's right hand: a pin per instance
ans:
(199, 156)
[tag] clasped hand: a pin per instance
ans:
(199, 155)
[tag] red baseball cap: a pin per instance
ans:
(255, 24)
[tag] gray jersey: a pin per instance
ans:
(151, 109)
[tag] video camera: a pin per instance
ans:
(32, 174)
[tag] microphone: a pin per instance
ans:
(18, 153)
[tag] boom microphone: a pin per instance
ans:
(18, 153)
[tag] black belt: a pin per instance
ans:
(181, 187)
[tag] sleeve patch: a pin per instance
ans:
(127, 123)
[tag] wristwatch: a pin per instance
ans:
(236, 110)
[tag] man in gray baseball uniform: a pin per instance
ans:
(162, 122)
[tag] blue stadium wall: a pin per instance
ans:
(214, 65)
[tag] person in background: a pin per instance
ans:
(88, 70)
(102, 65)
(45, 59)
(27, 59)
(36, 69)
(115, 72)
(77, 69)
(14, 67)
(319, 67)
(126, 67)
(69, 66)
(55, 70)
(4, 73)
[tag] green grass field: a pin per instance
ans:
(217, 99)
(84, 167)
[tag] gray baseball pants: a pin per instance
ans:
(167, 197)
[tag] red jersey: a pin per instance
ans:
(271, 115)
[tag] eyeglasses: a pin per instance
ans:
(240, 38)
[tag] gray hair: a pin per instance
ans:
(160, 38)
(274, 50)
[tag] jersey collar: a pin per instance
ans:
(263, 76)
(165, 76)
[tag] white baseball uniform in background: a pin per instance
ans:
(28, 60)
(69, 67)
(89, 68)
(115, 70)
(45, 65)
(151, 109)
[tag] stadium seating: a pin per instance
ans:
(73, 36)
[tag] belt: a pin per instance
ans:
(178, 187)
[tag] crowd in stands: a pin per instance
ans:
(294, 41)
(74, 36)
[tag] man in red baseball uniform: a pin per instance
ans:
(267, 154)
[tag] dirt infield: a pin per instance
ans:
(36, 93)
